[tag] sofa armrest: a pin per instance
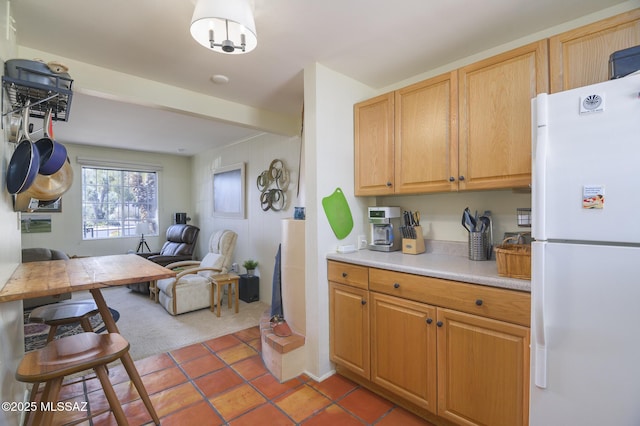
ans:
(195, 271)
(182, 264)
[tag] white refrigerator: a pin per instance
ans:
(585, 280)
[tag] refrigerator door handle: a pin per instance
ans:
(540, 139)
(540, 344)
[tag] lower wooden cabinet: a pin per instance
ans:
(462, 367)
(403, 348)
(483, 370)
(349, 328)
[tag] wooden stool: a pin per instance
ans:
(65, 313)
(218, 281)
(70, 355)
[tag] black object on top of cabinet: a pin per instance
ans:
(624, 62)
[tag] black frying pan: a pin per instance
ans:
(25, 161)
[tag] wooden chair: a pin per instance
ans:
(70, 355)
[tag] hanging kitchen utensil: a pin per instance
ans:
(15, 127)
(51, 187)
(338, 213)
(25, 161)
(52, 154)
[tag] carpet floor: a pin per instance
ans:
(152, 330)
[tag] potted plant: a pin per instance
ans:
(250, 265)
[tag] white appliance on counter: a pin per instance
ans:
(585, 282)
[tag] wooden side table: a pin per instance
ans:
(153, 290)
(218, 281)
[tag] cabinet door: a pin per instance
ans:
(349, 328)
(373, 135)
(495, 117)
(483, 370)
(426, 136)
(403, 348)
(580, 57)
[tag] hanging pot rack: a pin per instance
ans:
(42, 97)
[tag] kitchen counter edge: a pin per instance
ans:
(449, 267)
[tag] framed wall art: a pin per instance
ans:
(229, 191)
(51, 207)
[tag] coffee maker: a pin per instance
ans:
(385, 225)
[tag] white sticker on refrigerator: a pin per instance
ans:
(593, 197)
(592, 103)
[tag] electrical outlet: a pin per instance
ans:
(362, 242)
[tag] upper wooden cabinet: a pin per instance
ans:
(410, 141)
(495, 117)
(581, 56)
(374, 145)
(406, 142)
(426, 135)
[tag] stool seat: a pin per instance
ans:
(70, 355)
(64, 312)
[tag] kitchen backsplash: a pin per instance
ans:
(441, 214)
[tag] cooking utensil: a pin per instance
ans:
(52, 154)
(25, 161)
(338, 213)
(51, 187)
(465, 220)
(468, 221)
(36, 72)
(15, 127)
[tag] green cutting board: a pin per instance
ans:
(338, 213)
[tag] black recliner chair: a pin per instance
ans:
(180, 245)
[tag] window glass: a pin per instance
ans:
(114, 202)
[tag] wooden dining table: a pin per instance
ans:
(48, 278)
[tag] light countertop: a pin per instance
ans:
(447, 264)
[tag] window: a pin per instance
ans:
(115, 201)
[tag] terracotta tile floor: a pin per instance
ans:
(224, 382)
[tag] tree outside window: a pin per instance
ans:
(115, 201)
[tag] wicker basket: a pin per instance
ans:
(514, 260)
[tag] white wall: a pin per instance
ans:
(11, 329)
(259, 233)
(174, 195)
(329, 99)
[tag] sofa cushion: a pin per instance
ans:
(211, 260)
(166, 285)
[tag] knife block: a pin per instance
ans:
(411, 246)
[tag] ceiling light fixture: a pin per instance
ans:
(220, 24)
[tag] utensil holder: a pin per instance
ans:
(478, 246)
(414, 246)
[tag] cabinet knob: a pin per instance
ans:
(452, 179)
(439, 324)
(479, 302)
(461, 177)
(344, 275)
(389, 184)
(429, 320)
(396, 285)
(363, 302)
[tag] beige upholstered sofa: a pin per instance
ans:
(191, 288)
